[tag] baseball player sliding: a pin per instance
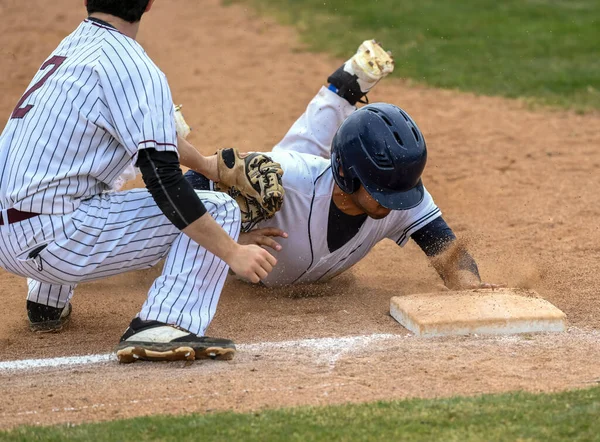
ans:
(98, 105)
(352, 179)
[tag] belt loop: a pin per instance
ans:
(4, 214)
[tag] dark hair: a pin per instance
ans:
(128, 10)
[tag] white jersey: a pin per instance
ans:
(304, 155)
(95, 101)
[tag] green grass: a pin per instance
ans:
(572, 416)
(548, 50)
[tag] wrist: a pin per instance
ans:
(464, 279)
(231, 249)
(212, 168)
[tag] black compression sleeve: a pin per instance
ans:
(170, 190)
(436, 236)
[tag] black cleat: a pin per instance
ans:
(157, 341)
(46, 319)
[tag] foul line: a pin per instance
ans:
(321, 345)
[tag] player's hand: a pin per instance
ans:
(263, 237)
(464, 280)
(251, 262)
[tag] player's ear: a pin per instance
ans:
(341, 172)
(150, 3)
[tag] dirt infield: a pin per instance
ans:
(520, 185)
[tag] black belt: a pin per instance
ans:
(15, 216)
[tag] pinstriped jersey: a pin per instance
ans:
(93, 104)
(305, 256)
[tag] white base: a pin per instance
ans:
(498, 312)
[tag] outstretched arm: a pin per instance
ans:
(313, 132)
(449, 257)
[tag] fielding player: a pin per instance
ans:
(97, 105)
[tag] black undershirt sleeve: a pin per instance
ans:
(197, 180)
(435, 237)
(341, 228)
(173, 194)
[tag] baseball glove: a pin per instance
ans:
(254, 181)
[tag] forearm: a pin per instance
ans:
(449, 257)
(191, 158)
(178, 201)
(206, 232)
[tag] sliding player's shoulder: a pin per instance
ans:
(301, 171)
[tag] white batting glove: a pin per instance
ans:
(182, 128)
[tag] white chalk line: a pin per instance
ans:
(332, 347)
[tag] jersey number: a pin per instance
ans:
(55, 62)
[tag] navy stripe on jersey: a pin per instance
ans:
(312, 202)
(417, 225)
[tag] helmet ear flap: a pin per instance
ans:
(343, 178)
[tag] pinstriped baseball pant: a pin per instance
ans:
(114, 233)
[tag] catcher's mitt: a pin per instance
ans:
(254, 181)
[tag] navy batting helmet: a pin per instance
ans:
(381, 148)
